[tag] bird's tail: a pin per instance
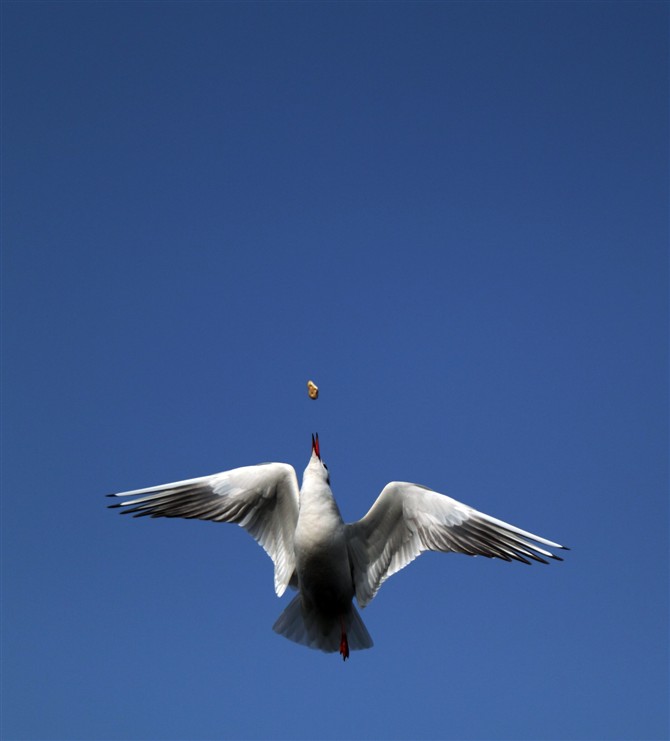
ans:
(306, 625)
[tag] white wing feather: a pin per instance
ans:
(262, 499)
(408, 519)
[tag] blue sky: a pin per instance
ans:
(451, 216)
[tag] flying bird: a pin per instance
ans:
(327, 560)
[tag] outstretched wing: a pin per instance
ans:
(262, 499)
(408, 519)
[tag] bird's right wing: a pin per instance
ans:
(262, 499)
(408, 519)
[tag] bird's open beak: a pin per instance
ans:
(315, 446)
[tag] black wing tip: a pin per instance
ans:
(127, 510)
(544, 556)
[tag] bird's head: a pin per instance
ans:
(316, 467)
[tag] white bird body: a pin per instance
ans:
(321, 557)
(325, 580)
(326, 560)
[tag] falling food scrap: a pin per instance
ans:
(312, 390)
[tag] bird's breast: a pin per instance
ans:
(322, 562)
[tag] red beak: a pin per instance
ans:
(315, 446)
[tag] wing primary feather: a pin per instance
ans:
(513, 540)
(502, 540)
(518, 531)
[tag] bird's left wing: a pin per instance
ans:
(408, 519)
(262, 499)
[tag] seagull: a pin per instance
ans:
(325, 559)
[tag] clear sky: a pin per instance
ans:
(453, 218)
